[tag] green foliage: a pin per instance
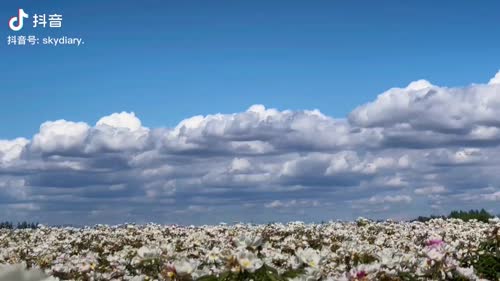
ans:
(488, 266)
(459, 278)
(424, 219)
(26, 225)
(488, 262)
(20, 225)
(292, 273)
(150, 267)
(363, 258)
(361, 223)
(6, 225)
(406, 276)
(207, 278)
(265, 273)
(481, 215)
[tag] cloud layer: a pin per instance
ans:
(416, 150)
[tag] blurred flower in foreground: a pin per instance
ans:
(17, 272)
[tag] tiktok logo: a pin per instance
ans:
(19, 19)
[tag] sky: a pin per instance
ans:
(208, 111)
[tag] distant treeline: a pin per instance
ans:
(480, 215)
(20, 225)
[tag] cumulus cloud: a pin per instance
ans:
(118, 132)
(123, 120)
(495, 80)
(430, 190)
(61, 137)
(11, 150)
(400, 154)
(426, 115)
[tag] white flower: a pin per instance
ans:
(397, 247)
(147, 253)
(252, 241)
(309, 257)
(294, 262)
(467, 272)
(84, 267)
(137, 278)
(214, 255)
(388, 258)
(18, 272)
(435, 254)
(366, 268)
(380, 240)
(186, 266)
(248, 261)
(312, 274)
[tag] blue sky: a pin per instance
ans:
(303, 132)
(168, 60)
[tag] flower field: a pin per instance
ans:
(363, 250)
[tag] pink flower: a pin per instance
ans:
(435, 243)
(361, 275)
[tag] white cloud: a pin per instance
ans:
(389, 199)
(395, 182)
(430, 190)
(278, 204)
(123, 120)
(485, 133)
(24, 206)
(491, 196)
(418, 85)
(61, 136)
(239, 165)
(443, 114)
(467, 155)
(413, 140)
(457, 156)
(14, 189)
(11, 150)
(118, 132)
(482, 195)
(495, 80)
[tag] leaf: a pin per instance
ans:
(266, 273)
(292, 273)
(228, 276)
(208, 278)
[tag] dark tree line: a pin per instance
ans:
(20, 225)
(480, 215)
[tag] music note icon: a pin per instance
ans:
(19, 19)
